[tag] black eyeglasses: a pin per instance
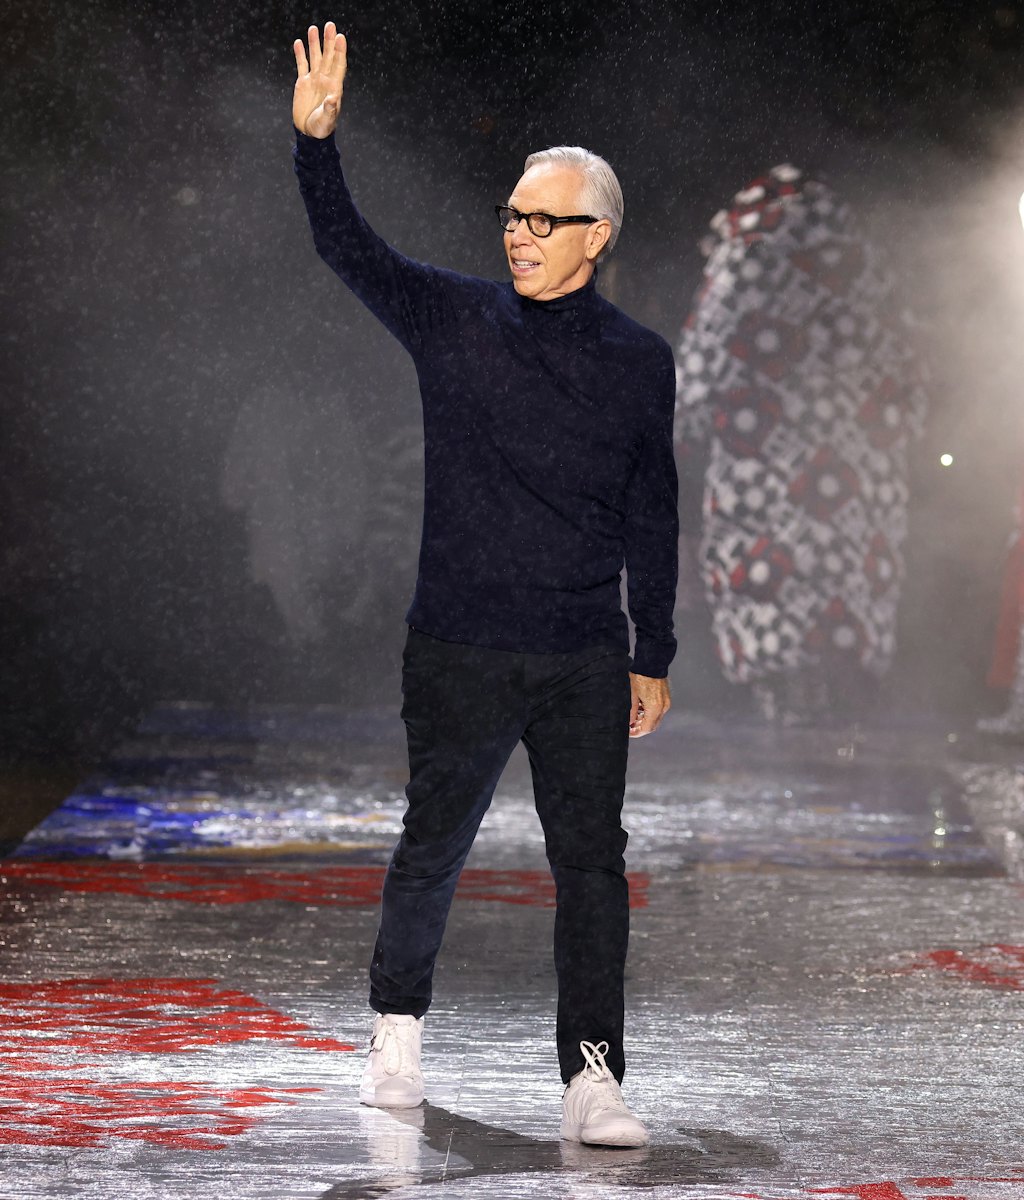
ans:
(540, 224)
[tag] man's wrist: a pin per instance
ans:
(312, 151)
(652, 657)
(309, 137)
(652, 664)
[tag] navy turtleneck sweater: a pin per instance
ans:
(548, 446)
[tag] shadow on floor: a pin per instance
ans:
(467, 1149)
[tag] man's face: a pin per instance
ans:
(548, 267)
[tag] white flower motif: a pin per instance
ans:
(751, 195)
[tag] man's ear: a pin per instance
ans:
(599, 235)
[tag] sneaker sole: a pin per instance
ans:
(371, 1102)
(368, 1097)
(622, 1141)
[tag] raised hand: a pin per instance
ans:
(316, 100)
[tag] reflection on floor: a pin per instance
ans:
(825, 983)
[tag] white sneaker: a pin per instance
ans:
(593, 1110)
(392, 1077)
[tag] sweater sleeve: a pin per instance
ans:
(652, 533)
(408, 297)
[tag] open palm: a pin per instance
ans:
(316, 101)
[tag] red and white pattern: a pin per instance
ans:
(61, 1038)
(797, 378)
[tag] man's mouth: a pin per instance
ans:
(523, 265)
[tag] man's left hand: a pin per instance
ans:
(651, 701)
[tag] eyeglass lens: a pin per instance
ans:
(539, 223)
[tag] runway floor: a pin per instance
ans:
(825, 986)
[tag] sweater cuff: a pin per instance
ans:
(315, 152)
(652, 658)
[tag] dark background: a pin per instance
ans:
(181, 375)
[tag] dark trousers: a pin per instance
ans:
(465, 709)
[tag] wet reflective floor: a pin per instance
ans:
(825, 986)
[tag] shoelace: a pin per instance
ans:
(393, 1043)
(596, 1069)
(596, 1072)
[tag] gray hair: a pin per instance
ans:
(600, 194)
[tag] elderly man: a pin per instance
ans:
(547, 418)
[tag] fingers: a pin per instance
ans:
(647, 721)
(315, 57)
(335, 56)
(651, 701)
(328, 56)
(339, 64)
(331, 59)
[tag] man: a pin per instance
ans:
(548, 466)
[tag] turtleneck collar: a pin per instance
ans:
(575, 312)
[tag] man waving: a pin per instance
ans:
(549, 467)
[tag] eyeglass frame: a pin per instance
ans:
(577, 220)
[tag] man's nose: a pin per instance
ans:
(521, 235)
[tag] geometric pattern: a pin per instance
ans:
(800, 391)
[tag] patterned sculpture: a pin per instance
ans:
(798, 382)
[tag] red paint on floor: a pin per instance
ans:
(138, 1016)
(863, 1191)
(906, 1190)
(88, 1114)
(320, 886)
(997, 965)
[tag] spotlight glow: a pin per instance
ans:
(946, 460)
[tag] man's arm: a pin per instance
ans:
(409, 298)
(652, 564)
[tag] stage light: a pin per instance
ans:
(946, 460)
